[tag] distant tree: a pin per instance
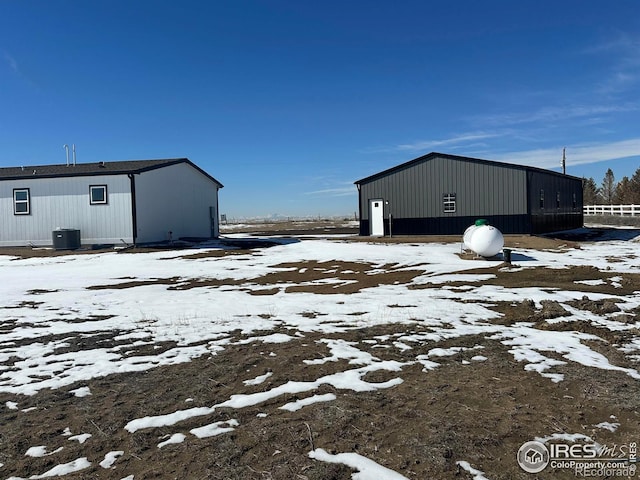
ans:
(589, 191)
(608, 188)
(633, 193)
(622, 192)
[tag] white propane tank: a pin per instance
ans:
(468, 233)
(484, 240)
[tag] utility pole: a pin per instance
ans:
(564, 161)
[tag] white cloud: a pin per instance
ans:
(621, 42)
(576, 154)
(13, 65)
(618, 81)
(335, 192)
(522, 126)
(426, 146)
(551, 114)
(15, 69)
(623, 51)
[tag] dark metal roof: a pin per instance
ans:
(94, 169)
(432, 155)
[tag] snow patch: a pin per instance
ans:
(215, 429)
(298, 404)
(367, 469)
(173, 439)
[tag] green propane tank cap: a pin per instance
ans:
(481, 221)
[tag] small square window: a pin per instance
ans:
(449, 202)
(98, 194)
(21, 201)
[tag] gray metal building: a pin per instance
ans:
(136, 201)
(444, 194)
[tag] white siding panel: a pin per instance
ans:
(176, 198)
(64, 203)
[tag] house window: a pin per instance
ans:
(449, 202)
(541, 198)
(557, 199)
(575, 202)
(21, 201)
(98, 194)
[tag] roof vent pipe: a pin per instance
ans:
(66, 147)
(74, 154)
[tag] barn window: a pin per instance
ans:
(575, 202)
(541, 198)
(97, 194)
(21, 201)
(449, 202)
(557, 199)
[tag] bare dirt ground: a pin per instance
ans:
(419, 428)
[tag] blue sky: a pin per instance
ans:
(287, 103)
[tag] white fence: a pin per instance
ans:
(621, 210)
